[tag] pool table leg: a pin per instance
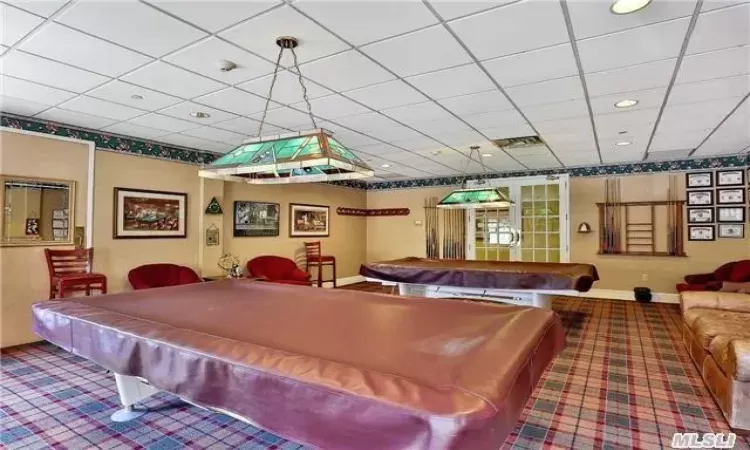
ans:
(541, 300)
(131, 390)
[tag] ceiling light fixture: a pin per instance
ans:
(620, 7)
(301, 157)
(200, 115)
(136, 97)
(475, 198)
(623, 143)
(629, 103)
(385, 166)
(487, 155)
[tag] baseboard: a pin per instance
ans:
(614, 294)
(345, 281)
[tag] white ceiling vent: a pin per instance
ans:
(518, 142)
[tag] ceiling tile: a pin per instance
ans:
(452, 9)
(577, 138)
(458, 139)
(74, 118)
(564, 147)
(121, 92)
(286, 117)
(16, 24)
(156, 34)
(709, 5)
(463, 80)
(718, 64)
(132, 130)
(582, 124)
(506, 131)
(26, 90)
(441, 126)
(633, 132)
(418, 113)
(348, 138)
(183, 110)
(162, 122)
(720, 29)
(367, 121)
(172, 80)
(635, 46)
(56, 41)
(203, 58)
(100, 108)
(482, 102)
(667, 155)
(555, 111)
(235, 101)
(387, 95)
(533, 66)
(332, 107)
(392, 134)
(363, 22)
(550, 91)
(259, 36)
(191, 142)
(532, 25)
(625, 120)
(34, 68)
(214, 15)
(41, 8)
(696, 116)
(650, 98)
(287, 89)
(379, 149)
(495, 119)
(248, 127)
(637, 146)
(419, 144)
(717, 88)
(345, 71)
(539, 162)
(216, 135)
(665, 141)
(633, 78)
(423, 51)
(595, 18)
(21, 107)
(622, 157)
(527, 152)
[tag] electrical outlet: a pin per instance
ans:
(644, 276)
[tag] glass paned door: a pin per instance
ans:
(494, 235)
(540, 223)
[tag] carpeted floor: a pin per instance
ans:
(624, 381)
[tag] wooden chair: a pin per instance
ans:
(316, 259)
(70, 271)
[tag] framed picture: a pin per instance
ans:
(701, 233)
(734, 177)
(700, 198)
(59, 214)
(699, 180)
(255, 219)
(730, 196)
(731, 214)
(212, 235)
(308, 220)
(732, 230)
(59, 223)
(700, 215)
(142, 214)
(32, 227)
(60, 234)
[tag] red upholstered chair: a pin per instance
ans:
(316, 259)
(737, 272)
(161, 275)
(70, 271)
(277, 270)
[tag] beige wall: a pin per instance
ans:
(23, 270)
(347, 241)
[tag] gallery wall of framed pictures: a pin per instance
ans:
(717, 204)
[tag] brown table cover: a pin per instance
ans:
(332, 369)
(484, 274)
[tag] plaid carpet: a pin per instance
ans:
(624, 381)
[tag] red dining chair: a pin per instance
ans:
(314, 258)
(158, 275)
(277, 270)
(70, 271)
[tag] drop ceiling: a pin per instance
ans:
(410, 85)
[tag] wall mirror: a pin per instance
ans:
(36, 211)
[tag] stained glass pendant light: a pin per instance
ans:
(476, 198)
(311, 156)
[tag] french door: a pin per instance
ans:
(534, 229)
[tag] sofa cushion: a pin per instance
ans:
(732, 354)
(730, 286)
(711, 323)
(692, 314)
(740, 271)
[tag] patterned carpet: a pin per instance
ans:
(624, 381)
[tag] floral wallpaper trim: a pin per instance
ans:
(110, 142)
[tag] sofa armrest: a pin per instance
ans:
(739, 359)
(299, 275)
(701, 278)
(730, 301)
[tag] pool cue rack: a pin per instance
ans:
(445, 231)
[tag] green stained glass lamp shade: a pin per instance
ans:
(309, 157)
(475, 199)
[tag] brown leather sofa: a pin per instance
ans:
(716, 332)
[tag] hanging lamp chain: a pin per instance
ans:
(270, 91)
(304, 88)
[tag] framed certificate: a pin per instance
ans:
(700, 198)
(731, 214)
(730, 196)
(700, 215)
(699, 180)
(732, 231)
(701, 233)
(734, 177)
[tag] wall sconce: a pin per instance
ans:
(584, 228)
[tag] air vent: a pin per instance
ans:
(518, 142)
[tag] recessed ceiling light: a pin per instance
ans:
(623, 143)
(628, 6)
(136, 97)
(385, 166)
(622, 132)
(626, 103)
(200, 115)
(486, 155)
(436, 152)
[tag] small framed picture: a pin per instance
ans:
(734, 177)
(732, 230)
(700, 215)
(699, 180)
(59, 223)
(731, 214)
(730, 196)
(59, 214)
(700, 198)
(701, 233)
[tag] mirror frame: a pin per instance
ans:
(40, 243)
